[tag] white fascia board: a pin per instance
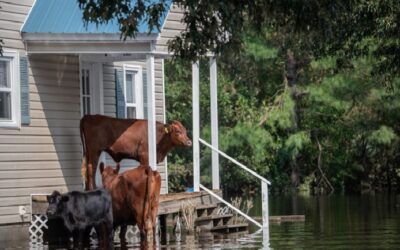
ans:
(92, 37)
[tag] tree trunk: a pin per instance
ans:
(291, 78)
(323, 178)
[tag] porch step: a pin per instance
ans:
(206, 206)
(231, 228)
(214, 217)
(206, 209)
(208, 220)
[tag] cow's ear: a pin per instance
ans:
(48, 197)
(101, 167)
(64, 198)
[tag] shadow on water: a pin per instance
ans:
(332, 222)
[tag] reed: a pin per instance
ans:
(188, 212)
(243, 205)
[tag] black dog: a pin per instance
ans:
(81, 210)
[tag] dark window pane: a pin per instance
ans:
(87, 83)
(131, 112)
(130, 87)
(88, 105)
(83, 82)
(84, 105)
(5, 105)
(4, 77)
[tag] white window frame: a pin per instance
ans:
(90, 89)
(138, 90)
(15, 82)
(96, 92)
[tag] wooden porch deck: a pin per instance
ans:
(169, 203)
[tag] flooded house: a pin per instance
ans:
(54, 69)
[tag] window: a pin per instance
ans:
(9, 90)
(91, 88)
(133, 88)
(85, 91)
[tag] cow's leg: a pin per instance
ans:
(154, 226)
(154, 213)
(71, 239)
(109, 235)
(122, 234)
(143, 234)
(81, 236)
(93, 159)
(155, 202)
(88, 172)
(100, 234)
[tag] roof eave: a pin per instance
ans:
(87, 37)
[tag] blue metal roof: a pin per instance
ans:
(65, 16)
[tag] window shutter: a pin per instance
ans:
(23, 68)
(119, 93)
(144, 77)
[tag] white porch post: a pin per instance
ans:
(151, 107)
(196, 125)
(214, 122)
(265, 214)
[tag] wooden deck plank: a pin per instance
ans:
(169, 203)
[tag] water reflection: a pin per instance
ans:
(332, 222)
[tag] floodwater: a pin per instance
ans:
(332, 222)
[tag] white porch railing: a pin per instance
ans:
(264, 190)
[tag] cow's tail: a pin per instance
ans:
(84, 168)
(84, 161)
(149, 191)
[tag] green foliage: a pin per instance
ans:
(180, 177)
(316, 28)
(295, 143)
(301, 84)
(382, 136)
(352, 115)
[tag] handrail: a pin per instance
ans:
(231, 206)
(235, 161)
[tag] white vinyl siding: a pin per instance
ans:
(173, 26)
(12, 16)
(46, 155)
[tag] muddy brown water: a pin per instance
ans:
(332, 222)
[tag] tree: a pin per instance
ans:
(316, 28)
(301, 83)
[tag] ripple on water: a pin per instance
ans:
(332, 222)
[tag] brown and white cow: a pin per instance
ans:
(135, 198)
(124, 139)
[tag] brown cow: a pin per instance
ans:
(135, 198)
(124, 138)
